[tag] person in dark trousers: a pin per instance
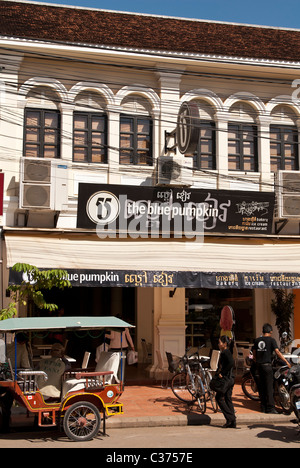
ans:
(225, 371)
(6, 402)
(263, 350)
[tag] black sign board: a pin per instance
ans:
(168, 211)
(175, 279)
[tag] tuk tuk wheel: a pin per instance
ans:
(82, 421)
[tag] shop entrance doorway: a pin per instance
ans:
(82, 301)
(85, 301)
(203, 313)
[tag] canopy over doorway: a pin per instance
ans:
(218, 262)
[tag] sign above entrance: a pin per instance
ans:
(175, 279)
(153, 212)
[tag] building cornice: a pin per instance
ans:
(23, 44)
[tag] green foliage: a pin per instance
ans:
(9, 312)
(30, 289)
(283, 308)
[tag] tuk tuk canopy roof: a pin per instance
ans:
(62, 323)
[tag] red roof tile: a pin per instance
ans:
(106, 28)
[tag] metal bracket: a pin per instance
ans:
(168, 136)
(279, 225)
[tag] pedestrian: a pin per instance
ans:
(54, 367)
(23, 362)
(225, 373)
(22, 359)
(120, 341)
(263, 350)
(6, 402)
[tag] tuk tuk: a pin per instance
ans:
(85, 395)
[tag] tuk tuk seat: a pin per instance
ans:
(82, 380)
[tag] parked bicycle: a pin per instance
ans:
(191, 381)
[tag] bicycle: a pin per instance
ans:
(191, 382)
(207, 377)
(187, 386)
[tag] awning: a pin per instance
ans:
(67, 251)
(217, 258)
(62, 323)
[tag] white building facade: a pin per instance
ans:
(105, 113)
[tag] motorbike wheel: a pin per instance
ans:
(295, 403)
(249, 387)
(282, 397)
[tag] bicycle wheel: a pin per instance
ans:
(210, 394)
(180, 387)
(199, 392)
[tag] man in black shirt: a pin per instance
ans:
(263, 349)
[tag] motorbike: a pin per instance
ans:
(294, 379)
(282, 384)
(282, 387)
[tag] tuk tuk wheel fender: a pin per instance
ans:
(82, 421)
(82, 398)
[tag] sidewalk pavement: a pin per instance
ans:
(150, 405)
(153, 406)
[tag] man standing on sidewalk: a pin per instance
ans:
(262, 352)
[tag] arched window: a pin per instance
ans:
(90, 129)
(242, 138)
(205, 154)
(284, 141)
(42, 124)
(136, 132)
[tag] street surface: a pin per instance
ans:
(161, 440)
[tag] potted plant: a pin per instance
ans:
(283, 308)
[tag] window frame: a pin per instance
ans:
(240, 140)
(282, 143)
(134, 149)
(41, 132)
(198, 155)
(90, 132)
